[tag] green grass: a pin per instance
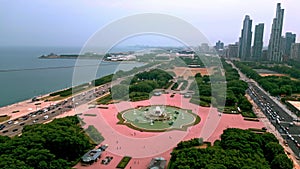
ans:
(4, 118)
(94, 134)
(251, 119)
(199, 102)
(89, 114)
(257, 130)
(105, 99)
(248, 114)
(123, 163)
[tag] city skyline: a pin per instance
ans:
(34, 23)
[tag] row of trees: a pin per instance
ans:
(235, 92)
(235, 95)
(58, 144)
(141, 85)
(238, 149)
(275, 85)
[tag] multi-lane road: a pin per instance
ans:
(281, 120)
(14, 126)
(284, 121)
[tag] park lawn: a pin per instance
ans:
(94, 134)
(123, 163)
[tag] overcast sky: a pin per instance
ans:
(72, 22)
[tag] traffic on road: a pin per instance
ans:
(282, 121)
(14, 126)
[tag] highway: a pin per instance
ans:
(14, 127)
(281, 118)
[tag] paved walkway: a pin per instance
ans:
(143, 146)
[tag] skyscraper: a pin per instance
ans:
(290, 38)
(274, 48)
(233, 50)
(219, 45)
(258, 42)
(245, 39)
(295, 51)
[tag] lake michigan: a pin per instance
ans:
(27, 81)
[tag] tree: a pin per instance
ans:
(281, 161)
(206, 79)
(8, 162)
(120, 91)
(268, 137)
(215, 166)
(230, 98)
(272, 149)
(198, 75)
(52, 145)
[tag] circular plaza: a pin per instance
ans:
(158, 118)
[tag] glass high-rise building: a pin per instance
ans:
(245, 39)
(258, 42)
(290, 38)
(275, 51)
(295, 51)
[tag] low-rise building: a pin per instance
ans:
(91, 156)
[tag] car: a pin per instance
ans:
(2, 126)
(9, 122)
(14, 130)
(22, 124)
(106, 160)
(16, 122)
(103, 147)
(5, 131)
(46, 117)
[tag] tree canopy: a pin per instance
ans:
(58, 144)
(238, 149)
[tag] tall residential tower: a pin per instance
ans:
(274, 49)
(245, 39)
(290, 38)
(258, 42)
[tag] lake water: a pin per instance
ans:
(17, 86)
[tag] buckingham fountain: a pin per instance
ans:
(157, 114)
(157, 117)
